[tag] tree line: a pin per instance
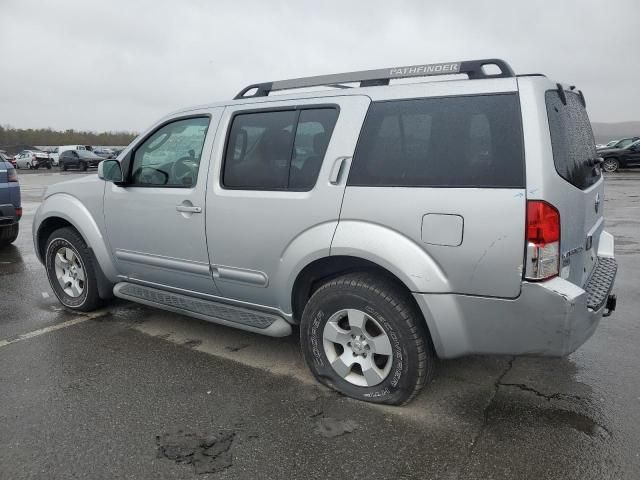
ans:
(10, 136)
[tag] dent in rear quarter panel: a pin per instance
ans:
(386, 224)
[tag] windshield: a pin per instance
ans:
(625, 142)
(86, 154)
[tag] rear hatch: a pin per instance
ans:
(579, 196)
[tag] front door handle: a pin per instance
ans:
(188, 209)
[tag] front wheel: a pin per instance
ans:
(362, 335)
(70, 271)
(610, 165)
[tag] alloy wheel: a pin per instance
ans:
(357, 347)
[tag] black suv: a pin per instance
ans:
(81, 159)
(626, 157)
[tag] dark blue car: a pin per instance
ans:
(10, 209)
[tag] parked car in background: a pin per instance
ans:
(615, 158)
(10, 207)
(64, 148)
(104, 152)
(33, 159)
(81, 159)
(622, 143)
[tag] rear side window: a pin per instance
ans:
(571, 139)
(277, 150)
(469, 141)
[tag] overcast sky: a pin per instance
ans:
(119, 65)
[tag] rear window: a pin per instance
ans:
(571, 139)
(469, 141)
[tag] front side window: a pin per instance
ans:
(468, 141)
(170, 157)
(277, 150)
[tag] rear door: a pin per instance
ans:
(448, 173)
(576, 188)
(275, 191)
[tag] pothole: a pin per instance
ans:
(207, 453)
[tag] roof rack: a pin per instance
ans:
(368, 78)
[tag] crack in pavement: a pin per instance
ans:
(573, 419)
(547, 396)
(485, 411)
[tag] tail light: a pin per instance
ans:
(12, 175)
(543, 241)
(19, 212)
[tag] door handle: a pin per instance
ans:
(188, 209)
(339, 166)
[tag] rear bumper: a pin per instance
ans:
(551, 318)
(8, 215)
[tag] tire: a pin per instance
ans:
(390, 312)
(48, 166)
(610, 165)
(63, 167)
(29, 166)
(84, 166)
(59, 243)
(9, 234)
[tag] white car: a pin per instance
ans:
(32, 159)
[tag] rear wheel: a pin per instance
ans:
(9, 234)
(610, 165)
(70, 270)
(84, 166)
(362, 335)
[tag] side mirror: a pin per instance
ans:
(110, 171)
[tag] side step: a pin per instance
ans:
(216, 312)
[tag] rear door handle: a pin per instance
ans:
(337, 171)
(188, 209)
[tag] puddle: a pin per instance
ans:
(545, 417)
(207, 454)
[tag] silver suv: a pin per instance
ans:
(393, 223)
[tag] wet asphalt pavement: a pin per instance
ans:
(134, 392)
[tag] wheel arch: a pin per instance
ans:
(321, 270)
(63, 210)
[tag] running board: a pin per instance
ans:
(216, 312)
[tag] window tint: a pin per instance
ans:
(277, 150)
(312, 138)
(470, 141)
(170, 157)
(571, 139)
